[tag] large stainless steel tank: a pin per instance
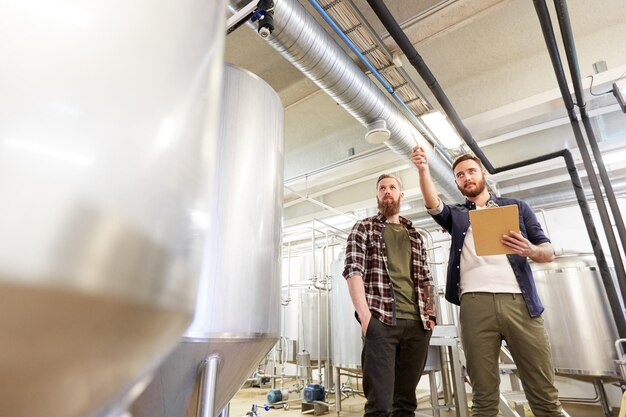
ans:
(307, 309)
(577, 315)
(346, 332)
(306, 316)
(238, 306)
(101, 151)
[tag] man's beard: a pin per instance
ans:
(479, 188)
(388, 208)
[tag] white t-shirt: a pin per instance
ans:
(485, 273)
(492, 273)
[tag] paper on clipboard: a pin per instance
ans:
(488, 226)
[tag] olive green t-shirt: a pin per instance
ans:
(399, 263)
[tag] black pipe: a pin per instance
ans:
(603, 266)
(570, 51)
(572, 58)
(606, 181)
(548, 35)
(414, 58)
(418, 63)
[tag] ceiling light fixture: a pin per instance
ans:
(443, 131)
(377, 132)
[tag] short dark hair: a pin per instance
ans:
(465, 157)
(393, 177)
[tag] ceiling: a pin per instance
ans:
(491, 60)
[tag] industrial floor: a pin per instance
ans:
(353, 407)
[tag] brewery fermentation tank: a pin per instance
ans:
(238, 307)
(102, 160)
(577, 315)
(306, 309)
(347, 342)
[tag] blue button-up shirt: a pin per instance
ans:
(455, 219)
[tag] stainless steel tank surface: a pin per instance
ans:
(105, 133)
(238, 305)
(577, 316)
(306, 309)
(346, 332)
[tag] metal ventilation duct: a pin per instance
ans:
(303, 42)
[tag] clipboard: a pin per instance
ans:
(488, 226)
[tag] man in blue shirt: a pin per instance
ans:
(497, 293)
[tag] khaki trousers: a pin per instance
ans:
(486, 320)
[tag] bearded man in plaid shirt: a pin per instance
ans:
(394, 297)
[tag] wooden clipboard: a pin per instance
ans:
(488, 226)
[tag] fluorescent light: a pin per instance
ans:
(443, 131)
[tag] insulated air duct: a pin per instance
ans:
(303, 42)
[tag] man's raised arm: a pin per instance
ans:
(427, 185)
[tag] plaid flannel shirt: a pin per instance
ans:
(366, 256)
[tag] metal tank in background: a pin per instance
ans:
(102, 160)
(346, 332)
(306, 306)
(237, 318)
(304, 316)
(577, 316)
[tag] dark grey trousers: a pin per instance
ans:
(393, 360)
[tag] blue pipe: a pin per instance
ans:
(374, 71)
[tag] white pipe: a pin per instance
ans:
(288, 300)
(283, 359)
(314, 278)
(328, 317)
(319, 310)
(319, 334)
(276, 351)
